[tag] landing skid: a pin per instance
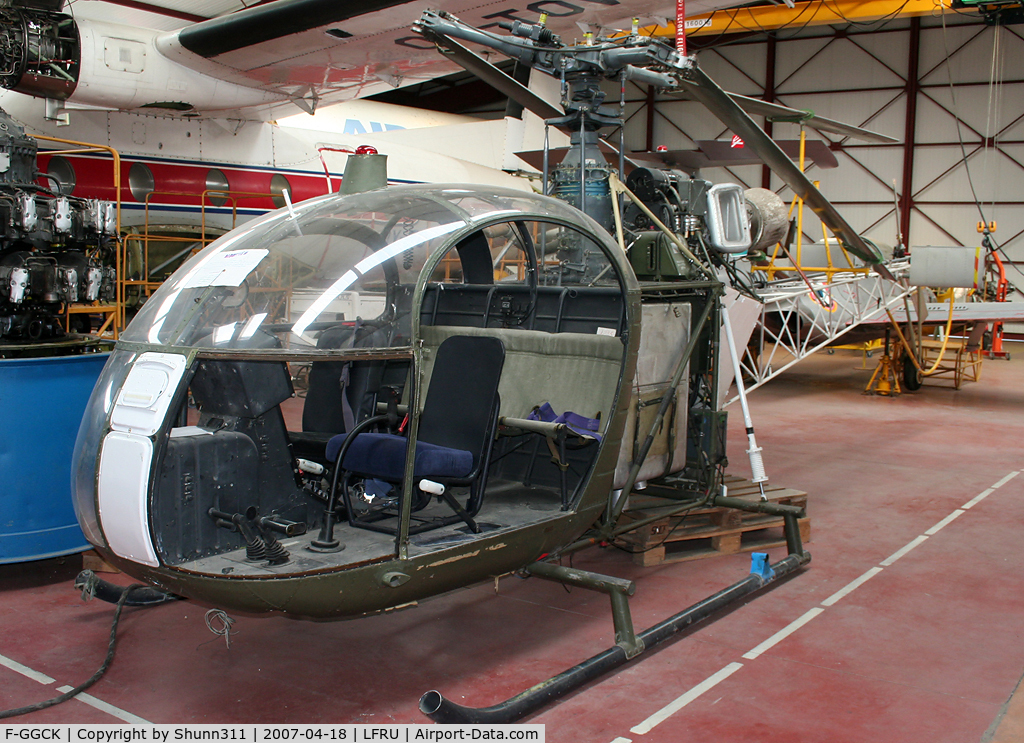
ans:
(628, 644)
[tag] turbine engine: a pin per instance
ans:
(40, 49)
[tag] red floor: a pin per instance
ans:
(929, 647)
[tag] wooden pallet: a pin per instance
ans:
(709, 531)
(92, 561)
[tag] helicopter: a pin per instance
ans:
(489, 375)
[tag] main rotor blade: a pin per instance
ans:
(724, 153)
(729, 112)
(776, 111)
(823, 124)
(491, 75)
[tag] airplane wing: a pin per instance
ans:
(963, 312)
(709, 154)
(324, 51)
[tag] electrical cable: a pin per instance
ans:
(758, 28)
(957, 119)
(224, 630)
(872, 25)
(112, 644)
(963, 149)
(716, 483)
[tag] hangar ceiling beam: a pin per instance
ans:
(814, 13)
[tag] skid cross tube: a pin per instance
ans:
(437, 708)
(618, 589)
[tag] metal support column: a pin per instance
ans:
(650, 119)
(769, 96)
(913, 87)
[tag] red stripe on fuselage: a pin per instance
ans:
(182, 183)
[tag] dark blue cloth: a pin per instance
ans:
(383, 455)
(578, 423)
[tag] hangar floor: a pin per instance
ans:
(927, 643)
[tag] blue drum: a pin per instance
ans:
(42, 401)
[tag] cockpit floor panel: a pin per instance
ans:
(507, 505)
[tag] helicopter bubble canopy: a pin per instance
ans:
(329, 259)
(358, 281)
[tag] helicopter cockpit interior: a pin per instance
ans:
(398, 370)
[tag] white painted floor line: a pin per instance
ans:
(783, 633)
(14, 665)
(944, 522)
(851, 587)
(667, 711)
(903, 550)
(105, 707)
(670, 709)
(978, 498)
(1006, 479)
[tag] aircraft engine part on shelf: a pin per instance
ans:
(55, 249)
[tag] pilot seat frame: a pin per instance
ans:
(453, 444)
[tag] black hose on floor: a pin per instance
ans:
(127, 592)
(91, 585)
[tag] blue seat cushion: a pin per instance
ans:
(383, 455)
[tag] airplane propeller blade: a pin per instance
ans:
(778, 112)
(729, 112)
(490, 74)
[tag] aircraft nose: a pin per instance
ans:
(126, 454)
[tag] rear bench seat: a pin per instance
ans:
(572, 371)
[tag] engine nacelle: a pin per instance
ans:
(48, 54)
(40, 50)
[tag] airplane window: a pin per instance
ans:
(217, 183)
(285, 279)
(140, 181)
(62, 171)
(497, 283)
(278, 185)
